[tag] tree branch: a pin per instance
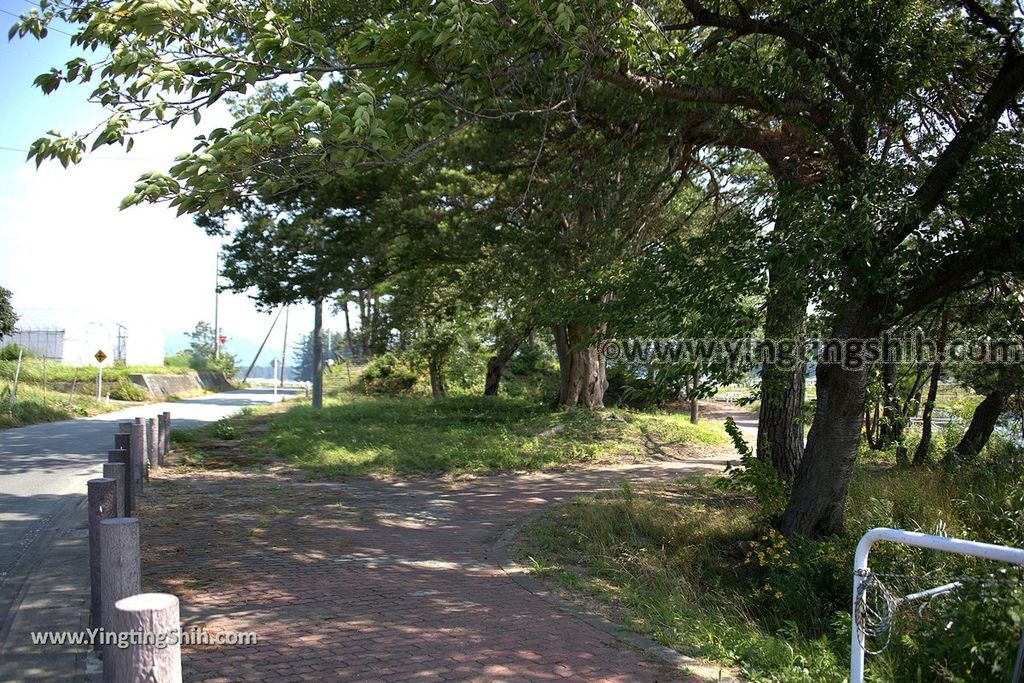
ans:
(747, 25)
(1001, 94)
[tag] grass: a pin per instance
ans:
(671, 563)
(32, 371)
(34, 406)
(68, 391)
(361, 435)
(692, 565)
(227, 444)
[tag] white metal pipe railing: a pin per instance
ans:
(944, 544)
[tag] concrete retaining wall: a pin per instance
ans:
(160, 386)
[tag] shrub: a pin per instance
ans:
(179, 360)
(652, 390)
(222, 429)
(10, 352)
(389, 375)
(126, 390)
(756, 477)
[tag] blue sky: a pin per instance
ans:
(63, 243)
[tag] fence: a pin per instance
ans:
(867, 620)
(44, 343)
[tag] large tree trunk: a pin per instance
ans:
(818, 498)
(983, 423)
(780, 432)
(921, 454)
(581, 367)
(438, 388)
(318, 354)
(496, 364)
(823, 478)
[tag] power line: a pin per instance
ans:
(48, 28)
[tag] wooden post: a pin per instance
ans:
(123, 441)
(158, 659)
(167, 432)
(118, 472)
(138, 458)
(127, 504)
(152, 444)
(102, 505)
(121, 576)
(161, 432)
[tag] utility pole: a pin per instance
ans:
(253, 364)
(216, 310)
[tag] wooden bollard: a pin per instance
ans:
(102, 505)
(138, 458)
(152, 444)
(123, 442)
(167, 436)
(124, 427)
(121, 574)
(126, 500)
(159, 440)
(118, 472)
(158, 658)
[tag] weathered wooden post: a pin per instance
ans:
(157, 659)
(138, 458)
(167, 435)
(102, 505)
(121, 576)
(117, 472)
(127, 499)
(160, 438)
(152, 445)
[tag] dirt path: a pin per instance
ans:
(376, 580)
(745, 418)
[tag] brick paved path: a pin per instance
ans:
(374, 580)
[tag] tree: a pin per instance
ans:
(8, 318)
(201, 351)
(304, 245)
(303, 365)
(894, 155)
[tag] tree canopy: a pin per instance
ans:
(569, 166)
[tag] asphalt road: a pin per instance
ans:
(43, 551)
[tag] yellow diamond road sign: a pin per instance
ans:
(100, 356)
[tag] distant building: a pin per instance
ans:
(73, 338)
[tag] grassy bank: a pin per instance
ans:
(694, 566)
(49, 392)
(358, 435)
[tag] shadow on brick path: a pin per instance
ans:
(376, 580)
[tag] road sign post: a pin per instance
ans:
(100, 357)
